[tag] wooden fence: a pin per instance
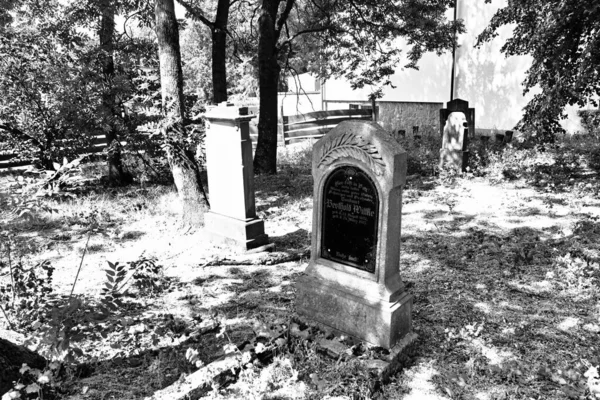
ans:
(12, 160)
(314, 125)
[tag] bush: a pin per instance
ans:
(423, 155)
(502, 163)
(590, 119)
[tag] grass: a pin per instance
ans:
(503, 266)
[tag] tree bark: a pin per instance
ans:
(265, 158)
(12, 357)
(219, 52)
(181, 160)
(107, 28)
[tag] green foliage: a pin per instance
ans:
(578, 274)
(56, 89)
(50, 75)
(423, 155)
(500, 163)
(142, 274)
(562, 39)
(56, 323)
(590, 119)
(358, 39)
(23, 297)
(36, 384)
(196, 59)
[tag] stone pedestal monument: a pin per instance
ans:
(232, 216)
(352, 282)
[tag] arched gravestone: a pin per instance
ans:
(352, 282)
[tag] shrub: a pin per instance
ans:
(423, 155)
(590, 119)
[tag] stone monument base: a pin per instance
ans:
(378, 322)
(457, 159)
(246, 234)
(381, 363)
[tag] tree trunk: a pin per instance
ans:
(107, 28)
(183, 165)
(265, 158)
(219, 52)
(12, 357)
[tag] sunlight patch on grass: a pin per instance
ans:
(509, 306)
(420, 266)
(568, 324)
(483, 307)
(593, 328)
(494, 356)
(419, 381)
(510, 330)
(543, 287)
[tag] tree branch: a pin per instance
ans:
(196, 13)
(283, 17)
(16, 132)
(306, 31)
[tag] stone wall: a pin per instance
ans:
(396, 115)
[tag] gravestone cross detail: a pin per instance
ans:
(352, 283)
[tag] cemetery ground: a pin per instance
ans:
(503, 263)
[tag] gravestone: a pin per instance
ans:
(352, 282)
(416, 132)
(460, 106)
(453, 153)
(232, 217)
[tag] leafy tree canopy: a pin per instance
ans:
(357, 39)
(52, 82)
(563, 37)
(48, 87)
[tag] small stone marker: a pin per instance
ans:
(352, 283)
(232, 216)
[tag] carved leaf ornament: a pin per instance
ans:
(348, 145)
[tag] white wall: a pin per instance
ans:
(299, 103)
(489, 81)
(484, 77)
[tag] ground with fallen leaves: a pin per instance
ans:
(504, 269)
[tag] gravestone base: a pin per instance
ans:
(378, 322)
(337, 345)
(457, 159)
(246, 234)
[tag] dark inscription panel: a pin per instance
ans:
(350, 216)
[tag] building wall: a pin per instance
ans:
(489, 81)
(399, 115)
